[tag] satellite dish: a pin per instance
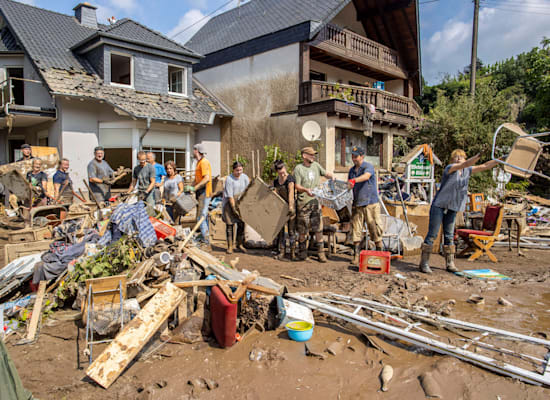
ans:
(311, 131)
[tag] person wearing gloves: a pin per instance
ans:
(144, 177)
(234, 187)
(366, 207)
(308, 176)
(99, 174)
(173, 186)
(284, 185)
(202, 189)
(39, 181)
(448, 201)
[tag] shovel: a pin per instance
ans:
(411, 242)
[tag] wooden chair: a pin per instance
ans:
(482, 241)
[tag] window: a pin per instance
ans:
(121, 69)
(317, 76)
(176, 80)
(163, 154)
(17, 90)
(346, 139)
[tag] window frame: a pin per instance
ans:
(131, 57)
(164, 151)
(184, 80)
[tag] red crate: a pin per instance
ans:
(223, 316)
(162, 229)
(374, 262)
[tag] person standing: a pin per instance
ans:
(143, 177)
(26, 153)
(99, 173)
(284, 185)
(234, 187)
(202, 188)
(308, 176)
(160, 174)
(366, 207)
(173, 187)
(448, 201)
(39, 181)
(62, 183)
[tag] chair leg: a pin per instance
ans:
(489, 252)
(476, 255)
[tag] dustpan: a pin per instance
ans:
(525, 152)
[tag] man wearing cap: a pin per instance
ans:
(26, 153)
(202, 188)
(362, 179)
(99, 173)
(308, 176)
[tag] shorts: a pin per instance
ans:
(309, 218)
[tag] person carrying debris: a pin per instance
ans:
(62, 183)
(160, 175)
(99, 174)
(449, 200)
(26, 153)
(235, 185)
(144, 177)
(308, 176)
(173, 186)
(366, 207)
(284, 185)
(202, 188)
(39, 181)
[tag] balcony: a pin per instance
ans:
(357, 50)
(317, 96)
(14, 113)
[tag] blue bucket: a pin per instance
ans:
(299, 331)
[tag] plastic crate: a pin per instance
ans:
(162, 229)
(334, 194)
(374, 262)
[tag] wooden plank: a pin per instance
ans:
(107, 283)
(264, 210)
(127, 344)
(214, 282)
(36, 311)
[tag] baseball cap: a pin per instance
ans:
(357, 151)
(201, 148)
(309, 150)
(98, 148)
(25, 146)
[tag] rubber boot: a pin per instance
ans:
(240, 239)
(449, 252)
(379, 246)
(292, 250)
(425, 259)
(356, 252)
(321, 252)
(302, 251)
(229, 238)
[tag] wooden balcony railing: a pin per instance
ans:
(347, 43)
(312, 91)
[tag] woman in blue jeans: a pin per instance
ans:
(450, 199)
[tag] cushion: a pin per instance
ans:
(468, 232)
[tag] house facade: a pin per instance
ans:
(71, 82)
(353, 66)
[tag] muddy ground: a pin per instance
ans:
(54, 367)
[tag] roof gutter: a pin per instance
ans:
(147, 129)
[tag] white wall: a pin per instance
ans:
(210, 136)
(347, 18)
(260, 66)
(334, 74)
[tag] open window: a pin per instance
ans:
(121, 69)
(176, 80)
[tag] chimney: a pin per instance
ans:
(85, 14)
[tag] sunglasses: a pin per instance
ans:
(280, 168)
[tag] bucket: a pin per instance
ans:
(185, 203)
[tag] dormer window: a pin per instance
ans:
(121, 69)
(177, 77)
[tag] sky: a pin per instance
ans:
(506, 27)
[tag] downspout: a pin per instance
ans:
(147, 128)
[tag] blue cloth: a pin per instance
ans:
(132, 219)
(440, 216)
(159, 172)
(60, 177)
(454, 189)
(364, 193)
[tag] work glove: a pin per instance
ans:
(351, 183)
(189, 188)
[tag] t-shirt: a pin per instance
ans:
(100, 170)
(37, 179)
(282, 189)
(61, 177)
(454, 189)
(24, 159)
(364, 193)
(234, 187)
(202, 169)
(171, 186)
(143, 176)
(309, 178)
(159, 172)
